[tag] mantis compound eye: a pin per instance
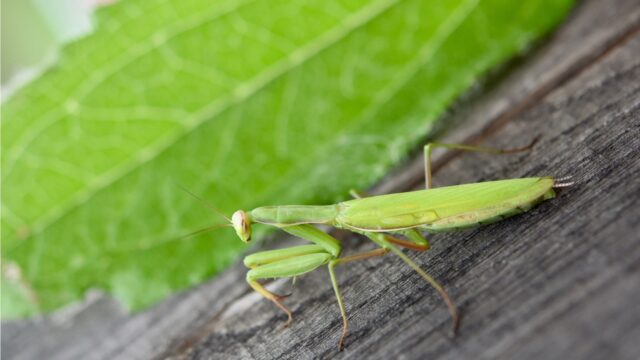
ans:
(242, 225)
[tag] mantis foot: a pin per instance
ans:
(277, 300)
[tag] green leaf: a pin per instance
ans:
(245, 103)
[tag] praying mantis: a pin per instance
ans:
(381, 219)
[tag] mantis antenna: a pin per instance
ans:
(205, 203)
(204, 230)
(212, 208)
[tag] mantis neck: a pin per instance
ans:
(294, 214)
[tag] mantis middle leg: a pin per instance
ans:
(415, 239)
(418, 243)
(334, 283)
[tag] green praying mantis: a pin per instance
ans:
(381, 219)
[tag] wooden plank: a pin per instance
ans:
(556, 282)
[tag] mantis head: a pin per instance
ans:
(242, 225)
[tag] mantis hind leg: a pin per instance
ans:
(417, 242)
(430, 146)
(383, 242)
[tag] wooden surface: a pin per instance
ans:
(561, 281)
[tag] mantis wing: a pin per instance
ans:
(445, 207)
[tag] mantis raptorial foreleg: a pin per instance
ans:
(430, 146)
(289, 267)
(271, 256)
(291, 261)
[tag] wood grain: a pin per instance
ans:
(561, 281)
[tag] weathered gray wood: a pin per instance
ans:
(562, 281)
